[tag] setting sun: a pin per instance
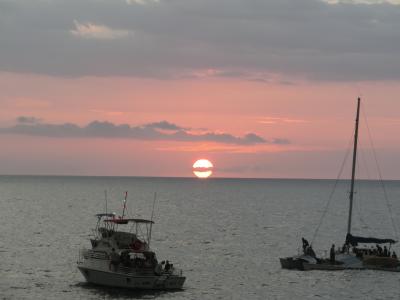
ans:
(202, 168)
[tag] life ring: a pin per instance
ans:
(136, 245)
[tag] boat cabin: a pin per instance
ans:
(122, 233)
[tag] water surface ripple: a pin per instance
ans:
(226, 234)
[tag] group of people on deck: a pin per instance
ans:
(381, 252)
(148, 260)
(377, 251)
(164, 266)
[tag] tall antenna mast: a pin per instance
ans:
(353, 171)
(151, 219)
(123, 210)
(105, 197)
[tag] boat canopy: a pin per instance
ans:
(126, 221)
(354, 240)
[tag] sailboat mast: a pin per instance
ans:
(353, 171)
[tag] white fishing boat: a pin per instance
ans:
(355, 253)
(121, 256)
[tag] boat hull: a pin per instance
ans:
(296, 262)
(352, 262)
(131, 281)
(322, 267)
(380, 262)
(291, 264)
(330, 267)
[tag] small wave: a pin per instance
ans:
(19, 287)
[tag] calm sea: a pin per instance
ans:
(226, 234)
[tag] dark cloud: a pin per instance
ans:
(253, 138)
(176, 38)
(163, 125)
(153, 131)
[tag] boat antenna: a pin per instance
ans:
(105, 198)
(353, 170)
(151, 219)
(123, 210)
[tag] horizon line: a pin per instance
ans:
(192, 177)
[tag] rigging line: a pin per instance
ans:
(333, 190)
(362, 221)
(360, 192)
(380, 175)
(364, 161)
(361, 162)
(369, 190)
(360, 188)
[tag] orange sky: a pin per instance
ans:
(317, 119)
(146, 87)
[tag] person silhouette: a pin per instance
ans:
(305, 244)
(332, 254)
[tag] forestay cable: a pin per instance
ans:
(380, 175)
(333, 191)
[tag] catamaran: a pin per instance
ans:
(121, 256)
(354, 254)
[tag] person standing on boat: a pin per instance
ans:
(380, 250)
(332, 254)
(305, 244)
(385, 251)
(167, 266)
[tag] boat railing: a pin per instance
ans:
(176, 272)
(91, 254)
(147, 271)
(81, 256)
(130, 270)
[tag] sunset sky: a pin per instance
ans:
(262, 88)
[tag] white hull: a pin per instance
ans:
(349, 262)
(123, 259)
(329, 267)
(112, 279)
(99, 271)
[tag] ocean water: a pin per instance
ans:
(226, 234)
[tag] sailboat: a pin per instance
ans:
(354, 254)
